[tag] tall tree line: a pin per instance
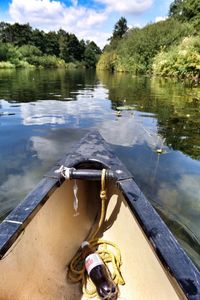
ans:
(60, 44)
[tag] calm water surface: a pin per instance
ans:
(43, 113)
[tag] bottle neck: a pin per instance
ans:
(86, 250)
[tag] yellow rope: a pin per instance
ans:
(108, 251)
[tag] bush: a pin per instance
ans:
(107, 61)
(6, 65)
(27, 56)
(8, 52)
(136, 50)
(29, 50)
(74, 65)
(47, 61)
(182, 60)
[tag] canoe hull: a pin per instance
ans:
(36, 265)
(39, 238)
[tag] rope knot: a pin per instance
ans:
(103, 195)
(109, 252)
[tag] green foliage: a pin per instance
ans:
(44, 49)
(71, 49)
(16, 34)
(62, 40)
(47, 61)
(186, 11)
(120, 28)
(29, 50)
(51, 43)
(119, 31)
(74, 48)
(138, 47)
(143, 44)
(8, 52)
(107, 61)
(157, 47)
(91, 54)
(74, 65)
(6, 65)
(182, 60)
(38, 39)
(176, 8)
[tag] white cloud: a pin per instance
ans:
(158, 19)
(127, 6)
(53, 15)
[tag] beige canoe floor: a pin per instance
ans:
(35, 267)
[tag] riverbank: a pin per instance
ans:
(42, 63)
(169, 48)
(181, 61)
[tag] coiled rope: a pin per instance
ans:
(108, 251)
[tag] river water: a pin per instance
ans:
(153, 125)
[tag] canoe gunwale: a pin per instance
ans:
(93, 152)
(167, 248)
(20, 217)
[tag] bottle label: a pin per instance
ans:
(92, 261)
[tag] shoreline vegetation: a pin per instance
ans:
(21, 46)
(169, 48)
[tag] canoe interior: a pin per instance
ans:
(35, 267)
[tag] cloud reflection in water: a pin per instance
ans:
(90, 104)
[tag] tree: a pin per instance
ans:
(82, 49)
(63, 38)
(186, 11)
(52, 43)
(176, 9)
(70, 48)
(119, 31)
(18, 34)
(91, 54)
(74, 48)
(3, 27)
(38, 39)
(29, 51)
(120, 28)
(9, 53)
(18, 41)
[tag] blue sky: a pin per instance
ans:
(90, 19)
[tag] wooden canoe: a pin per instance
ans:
(39, 238)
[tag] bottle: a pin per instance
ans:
(98, 273)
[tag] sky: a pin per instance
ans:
(88, 19)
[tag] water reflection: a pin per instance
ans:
(31, 85)
(80, 113)
(42, 114)
(176, 106)
(26, 163)
(133, 129)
